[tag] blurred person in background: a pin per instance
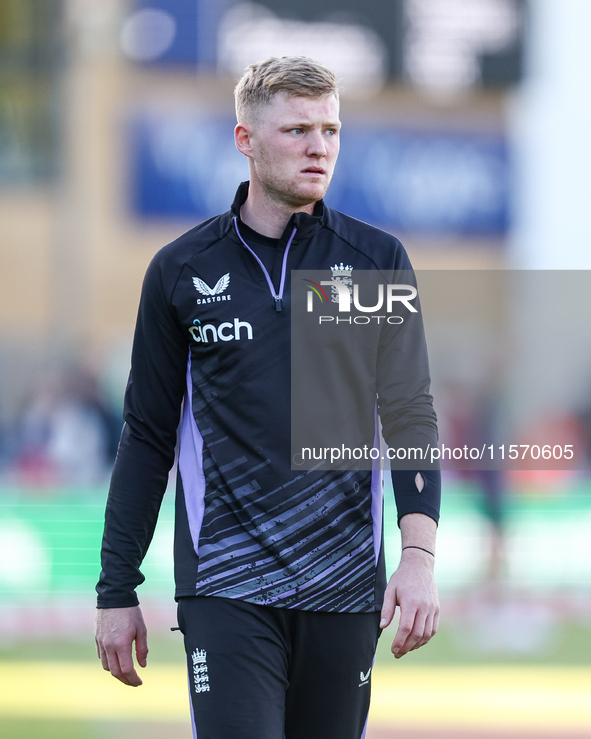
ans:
(471, 411)
(280, 575)
(66, 434)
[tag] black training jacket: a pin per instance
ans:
(212, 351)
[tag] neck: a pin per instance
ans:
(266, 215)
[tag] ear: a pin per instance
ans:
(243, 139)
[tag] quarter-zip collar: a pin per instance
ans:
(305, 223)
(278, 296)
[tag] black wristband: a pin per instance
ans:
(421, 548)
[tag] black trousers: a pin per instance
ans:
(257, 672)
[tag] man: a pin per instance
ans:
(279, 573)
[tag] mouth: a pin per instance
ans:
(314, 170)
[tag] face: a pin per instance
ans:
(293, 147)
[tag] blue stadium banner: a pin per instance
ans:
(173, 33)
(446, 44)
(185, 166)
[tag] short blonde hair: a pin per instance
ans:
(293, 75)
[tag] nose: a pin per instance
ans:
(316, 144)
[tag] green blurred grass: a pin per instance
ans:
(162, 649)
(42, 729)
(567, 644)
(570, 644)
(55, 729)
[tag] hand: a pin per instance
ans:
(114, 631)
(412, 588)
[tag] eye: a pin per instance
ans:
(296, 130)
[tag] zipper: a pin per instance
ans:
(278, 297)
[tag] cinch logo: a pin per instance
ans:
(213, 293)
(224, 332)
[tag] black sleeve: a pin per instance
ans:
(406, 408)
(146, 450)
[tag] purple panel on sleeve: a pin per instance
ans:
(377, 491)
(191, 465)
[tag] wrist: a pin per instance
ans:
(418, 557)
(420, 549)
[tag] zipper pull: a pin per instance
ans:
(278, 303)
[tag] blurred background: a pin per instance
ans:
(466, 133)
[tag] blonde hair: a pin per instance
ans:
(293, 75)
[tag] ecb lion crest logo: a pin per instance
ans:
(342, 273)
